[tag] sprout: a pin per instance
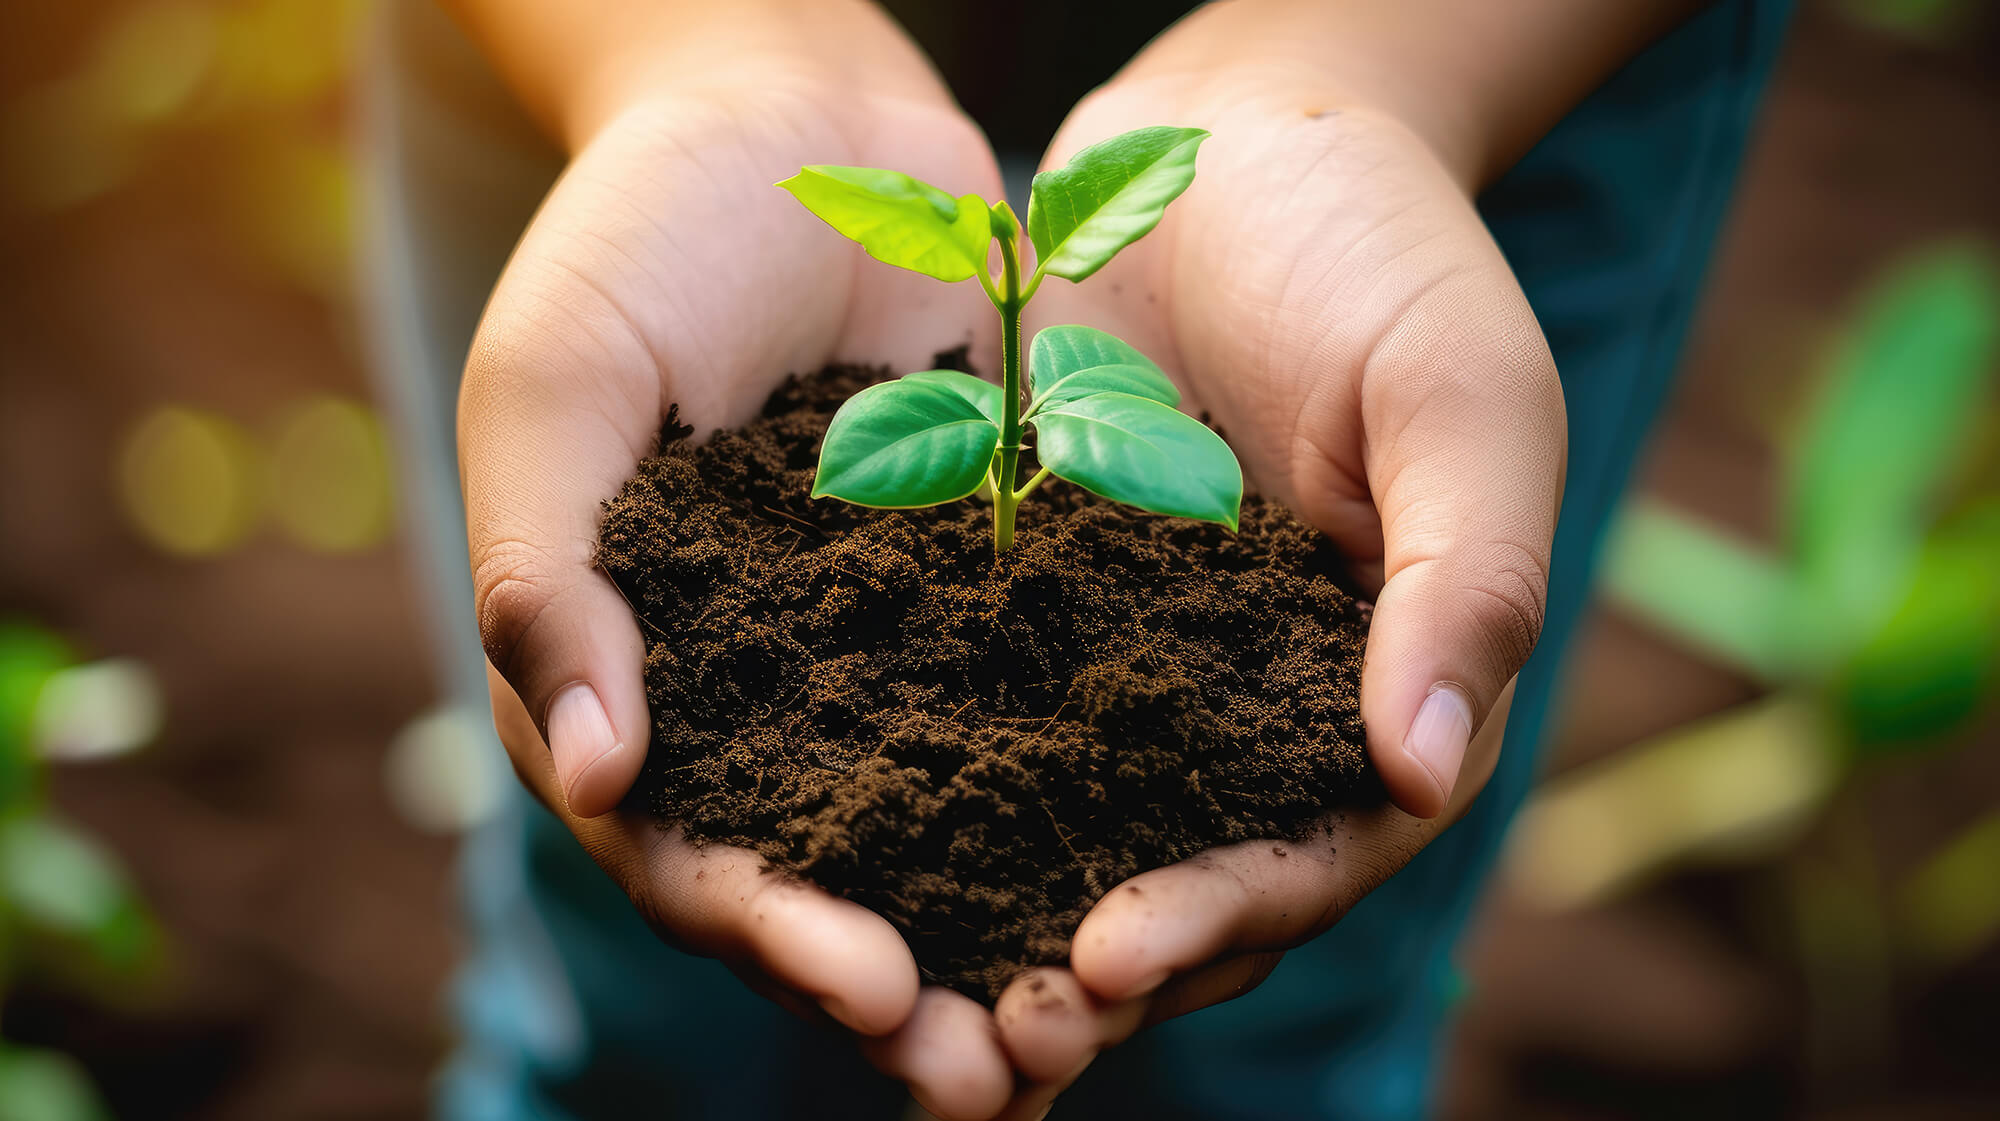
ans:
(1105, 417)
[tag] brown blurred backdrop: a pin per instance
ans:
(177, 277)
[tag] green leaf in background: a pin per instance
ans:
(29, 657)
(983, 394)
(58, 878)
(1734, 786)
(904, 444)
(1108, 196)
(1923, 20)
(1706, 589)
(1936, 659)
(1901, 400)
(46, 1086)
(1950, 907)
(899, 220)
(1143, 453)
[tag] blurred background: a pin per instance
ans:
(1762, 878)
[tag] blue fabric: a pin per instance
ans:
(1608, 223)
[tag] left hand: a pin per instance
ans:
(1326, 292)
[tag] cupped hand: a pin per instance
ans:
(1328, 295)
(665, 268)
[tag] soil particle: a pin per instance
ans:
(976, 749)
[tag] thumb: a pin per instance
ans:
(544, 440)
(1468, 490)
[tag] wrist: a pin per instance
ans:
(1477, 82)
(1264, 109)
(579, 65)
(1255, 98)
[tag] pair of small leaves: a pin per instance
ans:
(1105, 415)
(1079, 216)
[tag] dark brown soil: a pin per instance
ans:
(977, 750)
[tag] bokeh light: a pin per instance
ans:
(330, 486)
(189, 481)
(99, 710)
(441, 771)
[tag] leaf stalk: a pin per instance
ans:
(1007, 456)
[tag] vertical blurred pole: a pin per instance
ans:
(446, 187)
(450, 176)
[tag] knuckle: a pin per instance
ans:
(511, 589)
(1508, 600)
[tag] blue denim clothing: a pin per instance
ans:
(571, 1009)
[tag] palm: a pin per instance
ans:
(668, 251)
(667, 269)
(1281, 294)
(1327, 294)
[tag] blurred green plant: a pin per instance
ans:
(1922, 20)
(67, 910)
(1877, 622)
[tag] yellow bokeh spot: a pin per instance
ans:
(294, 204)
(330, 487)
(188, 481)
(276, 53)
(150, 61)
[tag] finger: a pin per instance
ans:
(542, 444)
(1217, 983)
(1466, 464)
(1052, 1026)
(1255, 897)
(723, 902)
(643, 281)
(949, 1055)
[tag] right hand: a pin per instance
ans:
(665, 268)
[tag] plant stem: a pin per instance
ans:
(1029, 486)
(1010, 303)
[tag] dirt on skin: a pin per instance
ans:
(976, 749)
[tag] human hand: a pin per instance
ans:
(1327, 293)
(666, 268)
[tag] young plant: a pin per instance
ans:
(1104, 415)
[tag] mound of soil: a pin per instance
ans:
(976, 749)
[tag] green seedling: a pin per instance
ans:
(1105, 417)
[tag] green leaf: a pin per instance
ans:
(1110, 195)
(1935, 662)
(1143, 453)
(66, 884)
(47, 1086)
(899, 220)
(1701, 586)
(29, 657)
(905, 444)
(984, 395)
(59, 878)
(1898, 412)
(1137, 381)
(1060, 356)
(1950, 906)
(1006, 227)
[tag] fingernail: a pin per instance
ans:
(1440, 732)
(1147, 984)
(579, 732)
